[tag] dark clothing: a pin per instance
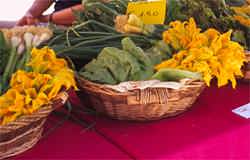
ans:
(62, 4)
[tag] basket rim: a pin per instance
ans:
(248, 56)
(26, 146)
(109, 91)
(57, 102)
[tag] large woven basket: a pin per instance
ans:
(23, 133)
(140, 105)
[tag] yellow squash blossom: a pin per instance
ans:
(210, 53)
(245, 9)
(22, 80)
(44, 61)
(34, 100)
(243, 20)
(183, 35)
(11, 105)
(242, 14)
(29, 91)
(64, 79)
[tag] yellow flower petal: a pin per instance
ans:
(211, 53)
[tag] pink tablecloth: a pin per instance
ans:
(208, 131)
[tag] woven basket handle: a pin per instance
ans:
(60, 100)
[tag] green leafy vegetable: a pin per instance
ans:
(114, 65)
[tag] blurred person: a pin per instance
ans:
(62, 15)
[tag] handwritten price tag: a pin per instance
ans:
(151, 12)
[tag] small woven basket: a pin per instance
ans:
(140, 105)
(23, 133)
(246, 68)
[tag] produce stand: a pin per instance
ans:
(220, 134)
(141, 79)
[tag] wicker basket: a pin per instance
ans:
(140, 105)
(23, 133)
(246, 68)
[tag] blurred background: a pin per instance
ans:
(12, 10)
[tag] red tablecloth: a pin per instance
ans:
(209, 130)
(72, 141)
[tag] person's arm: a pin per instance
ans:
(62, 17)
(35, 11)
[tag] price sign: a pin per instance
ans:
(151, 12)
(243, 111)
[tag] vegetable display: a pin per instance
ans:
(95, 29)
(210, 53)
(126, 68)
(83, 46)
(114, 65)
(15, 48)
(100, 29)
(109, 47)
(211, 14)
(104, 24)
(29, 91)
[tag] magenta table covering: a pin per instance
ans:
(208, 131)
(72, 142)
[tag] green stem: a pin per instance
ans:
(67, 38)
(55, 39)
(27, 59)
(75, 32)
(104, 26)
(21, 63)
(6, 73)
(13, 66)
(90, 42)
(83, 33)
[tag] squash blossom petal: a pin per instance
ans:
(211, 53)
(29, 91)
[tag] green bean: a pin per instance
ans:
(92, 42)
(95, 33)
(106, 27)
(102, 7)
(54, 40)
